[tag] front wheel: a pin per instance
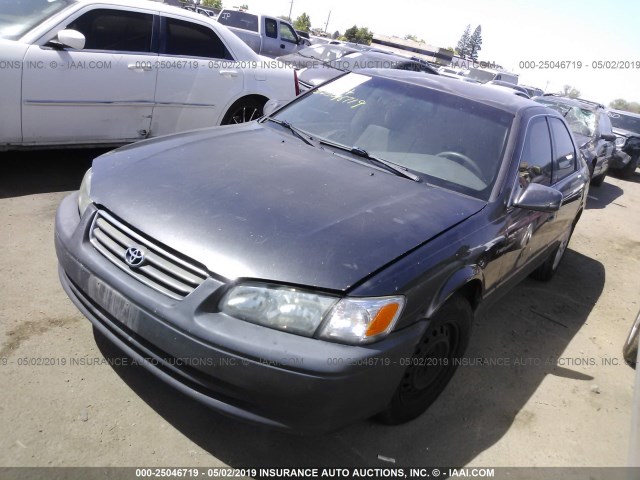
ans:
(433, 363)
(599, 180)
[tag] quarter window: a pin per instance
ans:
(535, 163)
(564, 154)
(115, 30)
(188, 39)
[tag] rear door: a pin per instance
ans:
(102, 93)
(197, 76)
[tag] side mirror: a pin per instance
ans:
(72, 39)
(270, 107)
(609, 137)
(539, 198)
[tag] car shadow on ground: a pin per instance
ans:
(605, 194)
(44, 171)
(522, 336)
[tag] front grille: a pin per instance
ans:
(161, 270)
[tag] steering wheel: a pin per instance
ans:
(466, 162)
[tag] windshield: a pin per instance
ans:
(581, 121)
(625, 122)
(446, 140)
(242, 20)
(17, 17)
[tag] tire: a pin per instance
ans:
(630, 168)
(599, 180)
(548, 269)
(630, 349)
(444, 342)
(244, 110)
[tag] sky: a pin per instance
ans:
(513, 31)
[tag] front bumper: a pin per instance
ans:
(237, 368)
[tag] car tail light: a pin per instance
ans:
(295, 80)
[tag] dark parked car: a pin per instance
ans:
(315, 55)
(516, 88)
(319, 74)
(324, 264)
(626, 127)
(591, 128)
(533, 91)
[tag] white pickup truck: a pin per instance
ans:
(268, 36)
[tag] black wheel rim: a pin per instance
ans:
(432, 363)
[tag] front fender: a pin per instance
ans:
(469, 276)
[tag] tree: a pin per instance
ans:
(359, 35)
(413, 38)
(569, 91)
(351, 33)
(463, 49)
(286, 18)
(211, 3)
(364, 36)
(335, 35)
(475, 43)
(621, 104)
(302, 23)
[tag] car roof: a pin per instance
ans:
(148, 4)
(497, 98)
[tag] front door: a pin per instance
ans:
(100, 94)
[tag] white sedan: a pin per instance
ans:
(92, 72)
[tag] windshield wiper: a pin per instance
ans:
(296, 132)
(385, 164)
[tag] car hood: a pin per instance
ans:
(252, 202)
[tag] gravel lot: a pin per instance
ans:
(563, 397)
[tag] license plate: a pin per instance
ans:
(114, 303)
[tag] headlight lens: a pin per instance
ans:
(346, 320)
(84, 194)
(620, 141)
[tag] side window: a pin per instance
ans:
(605, 124)
(188, 39)
(535, 163)
(115, 30)
(287, 33)
(564, 154)
(271, 27)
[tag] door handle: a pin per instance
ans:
(229, 73)
(141, 67)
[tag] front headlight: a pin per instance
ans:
(344, 320)
(620, 141)
(84, 194)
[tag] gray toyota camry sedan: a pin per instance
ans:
(323, 264)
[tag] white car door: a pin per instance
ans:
(101, 94)
(197, 76)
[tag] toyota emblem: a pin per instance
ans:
(134, 257)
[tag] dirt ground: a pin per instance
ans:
(561, 398)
